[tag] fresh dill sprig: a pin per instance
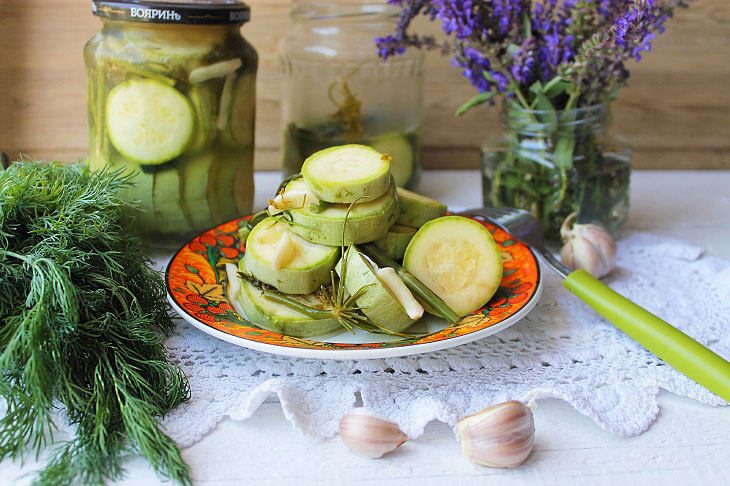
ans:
(82, 318)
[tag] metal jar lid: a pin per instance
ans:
(202, 12)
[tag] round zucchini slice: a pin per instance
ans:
(457, 259)
(306, 267)
(368, 221)
(347, 173)
(273, 316)
(148, 121)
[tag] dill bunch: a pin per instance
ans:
(82, 319)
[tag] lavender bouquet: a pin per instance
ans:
(556, 65)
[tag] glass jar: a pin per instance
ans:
(554, 163)
(171, 101)
(335, 89)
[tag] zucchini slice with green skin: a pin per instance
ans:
(347, 173)
(377, 302)
(174, 43)
(141, 193)
(368, 221)
(394, 243)
(277, 317)
(458, 259)
(401, 153)
(243, 117)
(168, 203)
(148, 121)
(305, 272)
(243, 183)
(416, 210)
(195, 170)
(221, 181)
(204, 102)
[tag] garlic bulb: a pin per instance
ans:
(368, 435)
(498, 436)
(587, 246)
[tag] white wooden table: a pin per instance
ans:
(689, 443)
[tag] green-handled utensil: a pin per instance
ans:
(661, 338)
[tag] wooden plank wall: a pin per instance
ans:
(676, 112)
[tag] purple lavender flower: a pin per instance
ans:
(524, 61)
(507, 45)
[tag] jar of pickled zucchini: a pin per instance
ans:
(336, 90)
(171, 101)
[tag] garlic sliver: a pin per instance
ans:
(368, 435)
(276, 206)
(212, 71)
(297, 198)
(498, 436)
(285, 251)
(390, 279)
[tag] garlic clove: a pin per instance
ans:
(498, 436)
(587, 246)
(403, 295)
(285, 251)
(276, 205)
(369, 435)
(297, 198)
(294, 199)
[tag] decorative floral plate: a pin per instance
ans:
(197, 289)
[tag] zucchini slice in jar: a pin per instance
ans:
(243, 183)
(204, 101)
(368, 221)
(306, 268)
(402, 163)
(141, 194)
(195, 171)
(148, 121)
(458, 259)
(172, 44)
(271, 315)
(168, 203)
(347, 173)
(221, 181)
(243, 112)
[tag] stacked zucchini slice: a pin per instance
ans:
(311, 258)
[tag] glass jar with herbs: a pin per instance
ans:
(171, 101)
(335, 90)
(556, 66)
(556, 162)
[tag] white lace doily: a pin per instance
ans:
(562, 349)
